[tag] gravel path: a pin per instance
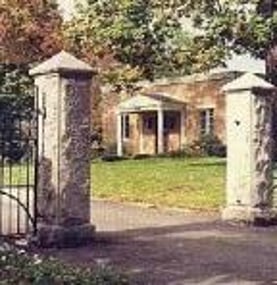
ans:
(175, 248)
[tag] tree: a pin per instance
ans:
(30, 30)
(126, 41)
(233, 26)
(140, 39)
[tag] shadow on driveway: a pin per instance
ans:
(197, 251)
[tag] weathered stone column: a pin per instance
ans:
(63, 84)
(119, 134)
(249, 166)
(160, 131)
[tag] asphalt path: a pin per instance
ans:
(154, 246)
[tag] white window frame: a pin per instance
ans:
(125, 126)
(209, 121)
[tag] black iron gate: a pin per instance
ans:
(18, 164)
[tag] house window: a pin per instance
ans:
(207, 121)
(126, 126)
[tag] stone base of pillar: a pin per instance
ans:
(249, 215)
(59, 236)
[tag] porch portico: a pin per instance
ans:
(154, 106)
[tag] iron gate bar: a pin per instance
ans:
(36, 112)
(18, 164)
(31, 218)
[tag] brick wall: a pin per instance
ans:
(194, 92)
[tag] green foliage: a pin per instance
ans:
(207, 145)
(16, 104)
(19, 268)
(29, 30)
(226, 26)
(16, 126)
(210, 145)
(14, 79)
(142, 37)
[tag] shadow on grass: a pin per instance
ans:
(209, 163)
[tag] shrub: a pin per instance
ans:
(218, 150)
(110, 148)
(210, 145)
(192, 150)
(141, 156)
(112, 157)
(19, 268)
(97, 152)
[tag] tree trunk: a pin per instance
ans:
(271, 64)
(271, 76)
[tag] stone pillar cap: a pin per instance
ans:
(62, 62)
(248, 81)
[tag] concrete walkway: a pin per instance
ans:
(175, 248)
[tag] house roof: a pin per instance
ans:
(247, 81)
(148, 102)
(62, 62)
(188, 79)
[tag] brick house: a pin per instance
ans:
(166, 114)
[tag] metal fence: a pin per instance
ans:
(18, 164)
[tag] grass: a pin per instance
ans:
(17, 174)
(192, 183)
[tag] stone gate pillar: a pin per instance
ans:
(249, 165)
(63, 84)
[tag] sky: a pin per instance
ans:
(239, 63)
(67, 7)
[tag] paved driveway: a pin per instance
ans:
(173, 248)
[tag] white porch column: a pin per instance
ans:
(182, 128)
(119, 135)
(160, 131)
(141, 133)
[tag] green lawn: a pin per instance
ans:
(17, 174)
(193, 183)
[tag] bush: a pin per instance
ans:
(218, 150)
(206, 146)
(141, 156)
(19, 268)
(97, 152)
(210, 145)
(112, 157)
(110, 148)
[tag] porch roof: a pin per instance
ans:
(150, 102)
